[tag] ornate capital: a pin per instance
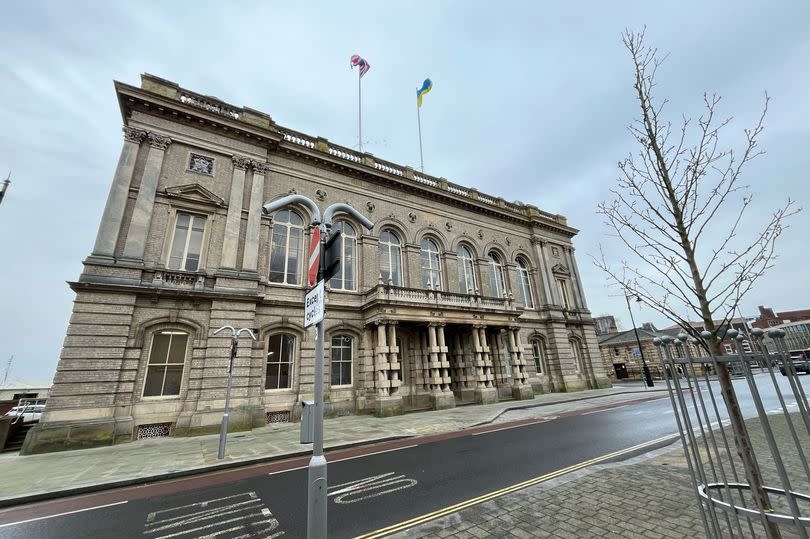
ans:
(159, 142)
(258, 167)
(537, 241)
(240, 162)
(134, 135)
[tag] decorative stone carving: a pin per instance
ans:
(412, 217)
(559, 268)
(508, 240)
(555, 251)
(201, 164)
(158, 141)
(448, 225)
(134, 135)
(292, 191)
(370, 206)
(240, 162)
(321, 194)
(259, 167)
(480, 234)
(537, 241)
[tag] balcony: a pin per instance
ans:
(437, 299)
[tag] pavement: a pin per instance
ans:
(39, 477)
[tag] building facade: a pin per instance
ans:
(768, 318)
(454, 297)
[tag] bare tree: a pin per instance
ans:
(678, 207)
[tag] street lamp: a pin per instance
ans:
(644, 368)
(316, 490)
(3, 189)
(223, 429)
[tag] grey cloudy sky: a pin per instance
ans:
(530, 102)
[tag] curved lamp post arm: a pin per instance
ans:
(226, 327)
(270, 207)
(249, 332)
(340, 206)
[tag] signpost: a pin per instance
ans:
(314, 307)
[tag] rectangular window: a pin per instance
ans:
(728, 349)
(746, 347)
(164, 372)
(187, 242)
(341, 351)
(279, 361)
(537, 351)
(562, 286)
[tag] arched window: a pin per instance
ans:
(164, 371)
(341, 351)
(286, 247)
(576, 353)
(431, 265)
(496, 282)
(390, 258)
(466, 271)
(524, 286)
(539, 353)
(280, 353)
(344, 279)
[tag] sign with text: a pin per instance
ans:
(313, 305)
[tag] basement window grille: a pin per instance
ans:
(154, 430)
(278, 417)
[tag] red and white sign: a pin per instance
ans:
(314, 255)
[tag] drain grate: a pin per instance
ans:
(278, 417)
(154, 430)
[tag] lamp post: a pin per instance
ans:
(644, 368)
(3, 189)
(223, 429)
(317, 483)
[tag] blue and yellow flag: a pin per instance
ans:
(426, 87)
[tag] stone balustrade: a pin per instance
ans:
(438, 298)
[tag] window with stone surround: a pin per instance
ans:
(576, 352)
(496, 281)
(187, 240)
(286, 248)
(466, 270)
(524, 284)
(280, 354)
(431, 264)
(539, 353)
(164, 371)
(345, 278)
(562, 287)
(341, 351)
(390, 258)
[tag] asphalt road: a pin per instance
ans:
(397, 481)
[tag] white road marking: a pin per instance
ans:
(606, 409)
(376, 485)
(63, 514)
(243, 512)
(375, 453)
(290, 470)
(544, 420)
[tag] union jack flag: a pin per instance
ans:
(361, 63)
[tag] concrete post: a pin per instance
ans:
(144, 204)
(119, 192)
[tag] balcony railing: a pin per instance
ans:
(437, 298)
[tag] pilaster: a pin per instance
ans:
(250, 258)
(233, 221)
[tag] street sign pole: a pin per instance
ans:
(223, 427)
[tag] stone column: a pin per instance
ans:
(233, 222)
(144, 204)
(575, 280)
(250, 258)
(393, 357)
(381, 364)
(441, 397)
(388, 402)
(520, 388)
(545, 294)
(424, 359)
(485, 392)
(119, 191)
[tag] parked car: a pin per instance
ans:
(29, 413)
(800, 365)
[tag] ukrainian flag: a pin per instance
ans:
(426, 87)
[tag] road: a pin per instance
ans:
(370, 487)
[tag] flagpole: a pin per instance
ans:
(359, 110)
(419, 123)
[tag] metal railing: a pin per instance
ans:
(744, 422)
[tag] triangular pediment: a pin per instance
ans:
(194, 192)
(562, 270)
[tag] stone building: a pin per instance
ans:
(454, 297)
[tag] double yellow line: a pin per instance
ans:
(382, 532)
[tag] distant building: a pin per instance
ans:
(768, 319)
(13, 390)
(797, 335)
(728, 346)
(605, 325)
(622, 357)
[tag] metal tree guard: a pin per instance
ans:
(734, 498)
